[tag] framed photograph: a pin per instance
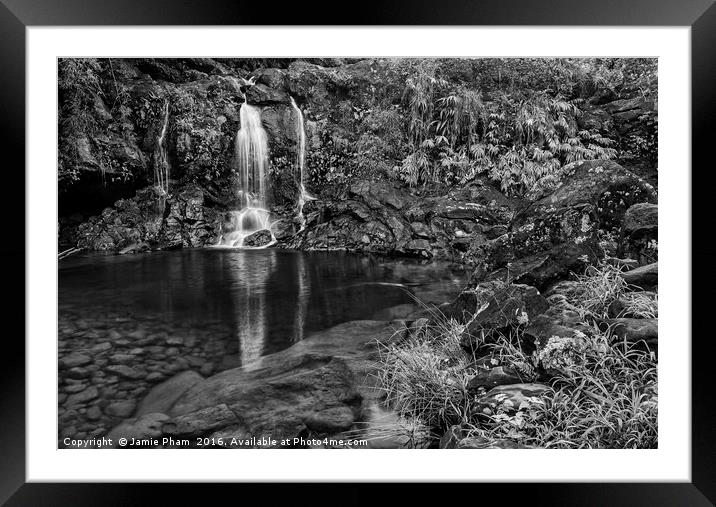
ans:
(393, 251)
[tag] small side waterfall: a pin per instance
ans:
(250, 163)
(303, 195)
(161, 159)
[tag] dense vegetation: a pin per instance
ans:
(602, 390)
(426, 121)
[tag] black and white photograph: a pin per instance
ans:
(357, 253)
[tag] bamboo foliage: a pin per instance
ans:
(522, 143)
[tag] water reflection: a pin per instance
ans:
(231, 307)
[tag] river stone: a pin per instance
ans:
(83, 396)
(101, 347)
(122, 358)
(125, 371)
(77, 372)
(174, 340)
(93, 413)
(161, 397)
(122, 409)
(74, 388)
(74, 359)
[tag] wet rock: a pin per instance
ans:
(74, 388)
(94, 413)
(77, 372)
(74, 359)
(283, 396)
(122, 358)
(122, 409)
(83, 396)
(258, 239)
(154, 376)
(125, 371)
(644, 277)
(101, 347)
(174, 340)
(161, 397)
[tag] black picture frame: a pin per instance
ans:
(17, 15)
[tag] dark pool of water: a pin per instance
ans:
(256, 302)
(127, 323)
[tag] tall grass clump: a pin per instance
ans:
(609, 401)
(425, 377)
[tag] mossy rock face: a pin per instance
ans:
(608, 186)
(161, 222)
(640, 233)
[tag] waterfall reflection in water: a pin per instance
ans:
(227, 307)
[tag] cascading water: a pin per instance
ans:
(250, 162)
(161, 159)
(303, 195)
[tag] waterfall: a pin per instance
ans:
(251, 158)
(161, 159)
(303, 195)
(250, 163)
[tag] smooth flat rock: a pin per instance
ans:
(162, 396)
(285, 396)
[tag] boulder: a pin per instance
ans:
(258, 239)
(640, 232)
(643, 277)
(634, 330)
(493, 307)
